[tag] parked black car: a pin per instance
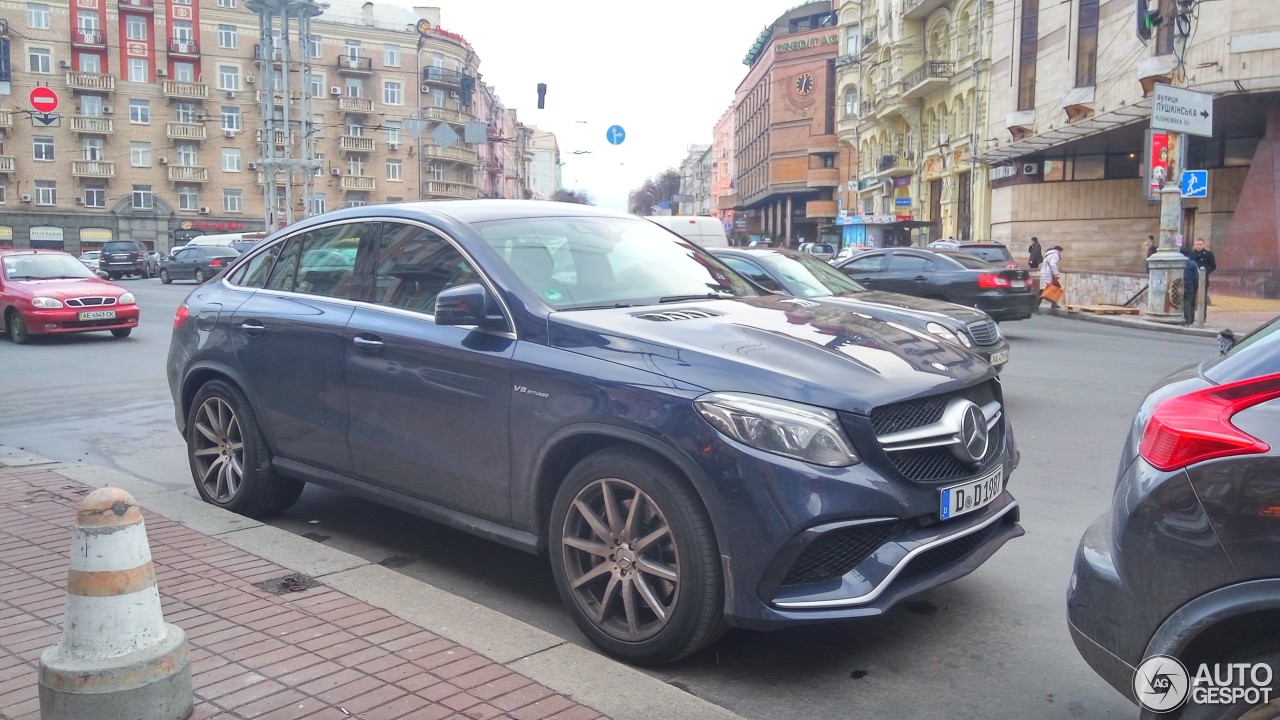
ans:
(1186, 563)
(992, 252)
(805, 276)
(690, 451)
(1002, 293)
(196, 262)
(123, 257)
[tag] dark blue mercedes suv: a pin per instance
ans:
(692, 453)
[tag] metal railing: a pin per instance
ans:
(346, 63)
(932, 70)
(87, 36)
(441, 76)
(183, 46)
(851, 59)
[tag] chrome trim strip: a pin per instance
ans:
(897, 569)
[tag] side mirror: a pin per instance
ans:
(1226, 341)
(103, 275)
(468, 304)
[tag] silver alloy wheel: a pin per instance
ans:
(1270, 711)
(621, 559)
(218, 449)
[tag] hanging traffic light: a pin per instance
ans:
(542, 95)
(1148, 20)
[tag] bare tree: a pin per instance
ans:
(572, 196)
(660, 188)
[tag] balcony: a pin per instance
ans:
(926, 78)
(817, 209)
(823, 177)
(355, 65)
(440, 76)
(727, 200)
(355, 105)
(823, 145)
(870, 39)
(445, 115)
(844, 60)
(95, 82)
(185, 131)
(465, 191)
(99, 169)
(459, 154)
(920, 9)
(188, 174)
(88, 38)
(870, 106)
(147, 5)
(356, 143)
(358, 183)
(896, 165)
(92, 125)
(6, 119)
(184, 46)
(6, 164)
(178, 90)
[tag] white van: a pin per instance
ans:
(707, 232)
(227, 238)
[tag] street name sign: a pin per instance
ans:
(1184, 111)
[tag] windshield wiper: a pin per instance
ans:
(611, 306)
(705, 296)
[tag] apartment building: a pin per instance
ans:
(785, 147)
(158, 131)
(542, 153)
(1073, 160)
(722, 198)
(695, 182)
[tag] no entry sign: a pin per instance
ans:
(44, 99)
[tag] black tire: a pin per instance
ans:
(17, 328)
(620, 584)
(113, 276)
(1243, 710)
(221, 425)
(121, 332)
(164, 276)
(199, 276)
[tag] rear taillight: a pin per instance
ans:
(180, 317)
(215, 263)
(993, 281)
(1196, 427)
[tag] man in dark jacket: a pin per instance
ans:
(1034, 255)
(1190, 286)
(1204, 258)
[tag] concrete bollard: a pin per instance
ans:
(118, 659)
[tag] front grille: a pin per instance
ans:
(935, 463)
(914, 413)
(985, 332)
(91, 302)
(949, 553)
(839, 551)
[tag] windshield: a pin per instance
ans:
(574, 263)
(967, 261)
(119, 247)
(809, 277)
(44, 267)
(997, 255)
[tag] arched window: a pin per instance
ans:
(851, 102)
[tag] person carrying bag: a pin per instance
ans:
(1050, 279)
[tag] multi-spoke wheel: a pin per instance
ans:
(635, 558)
(229, 457)
(1258, 707)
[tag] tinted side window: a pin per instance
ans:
(414, 265)
(909, 263)
(285, 273)
(869, 263)
(254, 273)
(749, 269)
(328, 260)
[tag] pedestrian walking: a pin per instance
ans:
(1204, 258)
(1149, 248)
(1190, 286)
(1035, 255)
(1050, 277)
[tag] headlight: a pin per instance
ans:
(946, 334)
(46, 302)
(127, 299)
(793, 430)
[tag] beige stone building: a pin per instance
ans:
(157, 132)
(1068, 145)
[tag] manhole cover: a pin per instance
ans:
(395, 561)
(296, 582)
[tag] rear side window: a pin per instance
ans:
(866, 263)
(968, 261)
(749, 269)
(1256, 355)
(254, 273)
(909, 263)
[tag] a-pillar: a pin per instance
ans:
(1249, 259)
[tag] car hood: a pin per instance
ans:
(917, 305)
(773, 345)
(63, 288)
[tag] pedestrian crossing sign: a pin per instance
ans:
(1195, 183)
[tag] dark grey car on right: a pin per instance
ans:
(1186, 564)
(196, 262)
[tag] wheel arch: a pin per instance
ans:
(1220, 624)
(203, 372)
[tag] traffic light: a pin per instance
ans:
(542, 96)
(1148, 20)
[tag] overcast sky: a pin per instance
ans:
(665, 70)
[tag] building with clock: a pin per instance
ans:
(787, 164)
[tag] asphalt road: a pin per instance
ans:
(991, 645)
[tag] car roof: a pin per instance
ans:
(755, 252)
(31, 251)
(469, 211)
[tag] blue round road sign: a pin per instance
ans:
(616, 135)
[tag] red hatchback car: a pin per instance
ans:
(46, 292)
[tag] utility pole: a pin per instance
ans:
(1166, 266)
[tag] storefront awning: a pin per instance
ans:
(1090, 127)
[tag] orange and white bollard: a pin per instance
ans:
(118, 658)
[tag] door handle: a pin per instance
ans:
(368, 344)
(252, 327)
(919, 278)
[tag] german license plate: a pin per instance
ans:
(999, 357)
(970, 496)
(98, 315)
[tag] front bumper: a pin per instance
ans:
(59, 321)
